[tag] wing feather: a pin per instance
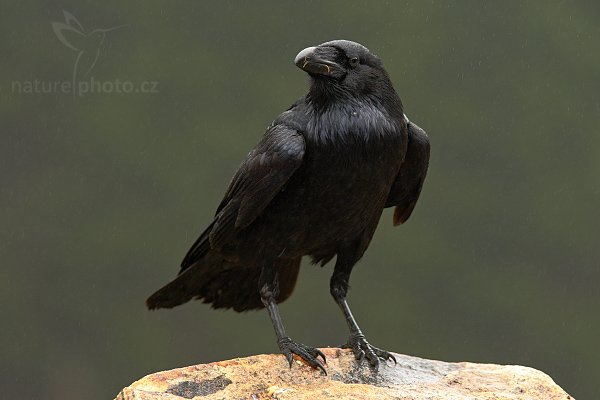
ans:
(408, 184)
(263, 174)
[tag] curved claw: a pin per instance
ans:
(375, 364)
(319, 353)
(373, 359)
(307, 353)
(290, 359)
(359, 355)
(363, 349)
(388, 356)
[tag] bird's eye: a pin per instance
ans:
(354, 62)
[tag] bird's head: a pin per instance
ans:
(343, 68)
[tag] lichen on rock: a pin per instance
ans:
(269, 377)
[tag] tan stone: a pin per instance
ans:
(269, 377)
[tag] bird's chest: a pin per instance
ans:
(354, 142)
(350, 176)
(351, 159)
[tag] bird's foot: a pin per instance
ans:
(309, 354)
(362, 349)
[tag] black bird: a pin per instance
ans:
(315, 185)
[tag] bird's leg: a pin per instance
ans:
(269, 291)
(356, 341)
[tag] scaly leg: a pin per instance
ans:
(269, 290)
(356, 341)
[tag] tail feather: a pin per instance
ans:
(200, 248)
(221, 284)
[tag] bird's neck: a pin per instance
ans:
(355, 121)
(323, 95)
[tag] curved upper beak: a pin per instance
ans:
(312, 62)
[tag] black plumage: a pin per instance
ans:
(315, 185)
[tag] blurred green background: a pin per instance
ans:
(102, 194)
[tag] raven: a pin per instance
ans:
(315, 185)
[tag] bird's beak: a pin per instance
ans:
(313, 60)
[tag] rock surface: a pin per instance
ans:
(269, 377)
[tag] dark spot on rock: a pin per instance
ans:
(191, 389)
(359, 374)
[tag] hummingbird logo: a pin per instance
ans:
(87, 45)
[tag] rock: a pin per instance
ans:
(269, 377)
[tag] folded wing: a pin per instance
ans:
(409, 181)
